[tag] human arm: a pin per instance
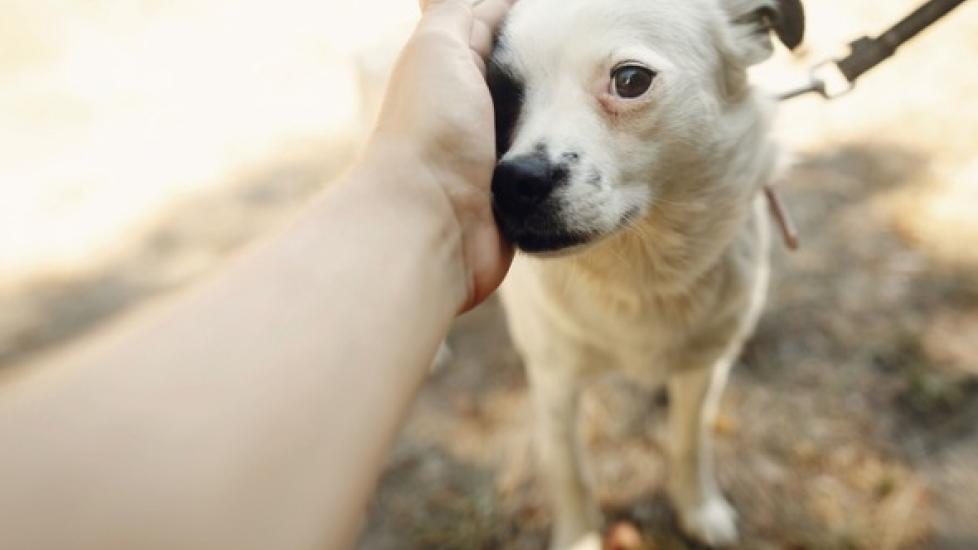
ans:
(256, 411)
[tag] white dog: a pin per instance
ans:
(633, 156)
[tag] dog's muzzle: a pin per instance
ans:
(527, 210)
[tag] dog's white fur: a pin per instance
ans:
(674, 278)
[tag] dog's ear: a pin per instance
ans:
(753, 23)
(755, 20)
(789, 23)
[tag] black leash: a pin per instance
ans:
(834, 78)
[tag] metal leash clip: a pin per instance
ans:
(826, 80)
(835, 78)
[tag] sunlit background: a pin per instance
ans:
(112, 108)
(141, 141)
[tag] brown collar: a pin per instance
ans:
(783, 217)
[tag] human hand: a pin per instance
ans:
(436, 128)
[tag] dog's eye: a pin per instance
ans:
(631, 81)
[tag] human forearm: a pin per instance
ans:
(255, 411)
(265, 436)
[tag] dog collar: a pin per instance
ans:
(782, 217)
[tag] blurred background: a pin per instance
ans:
(143, 141)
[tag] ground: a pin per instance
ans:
(851, 420)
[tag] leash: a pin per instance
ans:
(835, 78)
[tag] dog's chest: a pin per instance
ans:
(614, 325)
(561, 315)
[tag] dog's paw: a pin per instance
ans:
(714, 522)
(589, 541)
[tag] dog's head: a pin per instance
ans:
(602, 105)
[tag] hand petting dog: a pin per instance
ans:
(437, 122)
(257, 410)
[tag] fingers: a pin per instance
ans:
(474, 22)
(481, 39)
(491, 12)
(454, 17)
(488, 15)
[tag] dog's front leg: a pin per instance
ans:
(703, 511)
(556, 398)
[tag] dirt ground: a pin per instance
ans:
(852, 419)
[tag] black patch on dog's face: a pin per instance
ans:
(507, 97)
(533, 226)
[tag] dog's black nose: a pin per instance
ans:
(521, 184)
